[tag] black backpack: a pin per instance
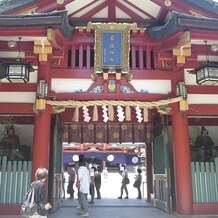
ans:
(29, 207)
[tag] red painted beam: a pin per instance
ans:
(203, 110)
(153, 74)
(199, 34)
(28, 45)
(201, 89)
(17, 32)
(18, 87)
(198, 121)
(201, 50)
(16, 108)
(137, 74)
(111, 10)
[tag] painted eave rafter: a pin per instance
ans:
(110, 8)
(132, 10)
(11, 5)
(208, 6)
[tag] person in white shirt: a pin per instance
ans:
(84, 181)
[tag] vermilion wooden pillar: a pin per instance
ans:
(42, 126)
(182, 165)
(41, 140)
(149, 175)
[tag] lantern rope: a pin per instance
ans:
(78, 104)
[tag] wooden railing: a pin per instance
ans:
(205, 181)
(15, 178)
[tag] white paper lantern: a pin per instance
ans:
(135, 160)
(110, 157)
(75, 157)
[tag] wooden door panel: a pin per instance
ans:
(160, 191)
(162, 177)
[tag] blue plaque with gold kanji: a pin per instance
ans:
(112, 47)
(112, 42)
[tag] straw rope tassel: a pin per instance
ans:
(145, 114)
(76, 115)
(95, 114)
(111, 112)
(128, 113)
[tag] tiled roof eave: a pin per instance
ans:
(177, 21)
(53, 19)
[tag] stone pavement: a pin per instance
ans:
(111, 207)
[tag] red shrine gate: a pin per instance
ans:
(138, 60)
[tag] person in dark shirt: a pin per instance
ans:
(125, 181)
(92, 184)
(98, 182)
(138, 182)
(40, 193)
(72, 177)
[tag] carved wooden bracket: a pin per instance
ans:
(43, 48)
(183, 48)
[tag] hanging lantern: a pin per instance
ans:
(18, 71)
(206, 74)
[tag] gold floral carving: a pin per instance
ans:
(116, 135)
(124, 127)
(99, 135)
(90, 126)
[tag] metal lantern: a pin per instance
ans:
(18, 71)
(206, 74)
(42, 89)
(181, 90)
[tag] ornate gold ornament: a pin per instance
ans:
(111, 86)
